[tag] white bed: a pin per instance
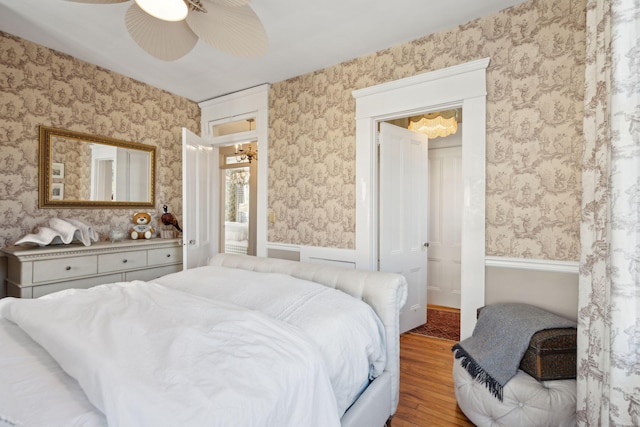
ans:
(308, 380)
(236, 237)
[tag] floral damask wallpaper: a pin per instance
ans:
(76, 158)
(41, 86)
(534, 130)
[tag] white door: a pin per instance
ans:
(445, 226)
(200, 189)
(403, 216)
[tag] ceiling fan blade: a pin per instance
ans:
(231, 3)
(163, 39)
(235, 30)
(97, 1)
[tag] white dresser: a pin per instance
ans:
(36, 271)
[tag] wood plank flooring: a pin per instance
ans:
(426, 384)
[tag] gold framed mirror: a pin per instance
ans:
(79, 170)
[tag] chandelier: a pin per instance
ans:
(242, 154)
(248, 154)
(434, 125)
(238, 176)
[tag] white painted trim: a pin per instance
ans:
(410, 82)
(283, 247)
(533, 264)
(333, 255)
(461, 85)
(230, 119)
(253, 101)
(221, 106)
(463, 82)
(235, 138)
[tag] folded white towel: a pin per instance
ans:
(60, 231)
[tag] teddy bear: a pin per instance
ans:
(141, 228)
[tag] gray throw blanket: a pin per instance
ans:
(493, 353)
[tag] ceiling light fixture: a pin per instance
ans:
(238, 176)
(241, 154)
(169, 29)
(435, 125)
(167, 10)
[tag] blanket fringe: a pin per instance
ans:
(4, 421)
(476, 371)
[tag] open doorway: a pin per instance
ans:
(460, 85)
(444, 218)
(237, 201)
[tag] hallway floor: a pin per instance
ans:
(442, 322)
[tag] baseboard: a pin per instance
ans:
(442, 308)
(283, 251)
(550, 285)
(330, 256)
(313, 254)
(533, 264)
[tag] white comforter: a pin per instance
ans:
(348, 334)
(147, 355)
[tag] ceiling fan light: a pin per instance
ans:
(165, 40)
(167, 10)
(235, 30)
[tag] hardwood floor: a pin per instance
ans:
(442, 307)
(426, 384)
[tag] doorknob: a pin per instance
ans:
(192, 242)
(425, 244)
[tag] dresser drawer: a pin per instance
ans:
(164, 256)
(66, 268)
(121, 261)
(35, 271)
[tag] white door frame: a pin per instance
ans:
(253, 102)
(461, 85)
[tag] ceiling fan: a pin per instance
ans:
(169, 29)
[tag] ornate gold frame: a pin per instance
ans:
(45, 163)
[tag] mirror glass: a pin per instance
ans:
(82, 170)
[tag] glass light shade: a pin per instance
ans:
(436, 124)
(167, 10)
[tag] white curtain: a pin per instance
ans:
(609, 287)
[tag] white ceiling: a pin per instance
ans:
(304, 36)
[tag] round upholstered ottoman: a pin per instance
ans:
(526, 401)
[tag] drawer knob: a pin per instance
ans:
(68, 267)
(168, 255)
(124, 261)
